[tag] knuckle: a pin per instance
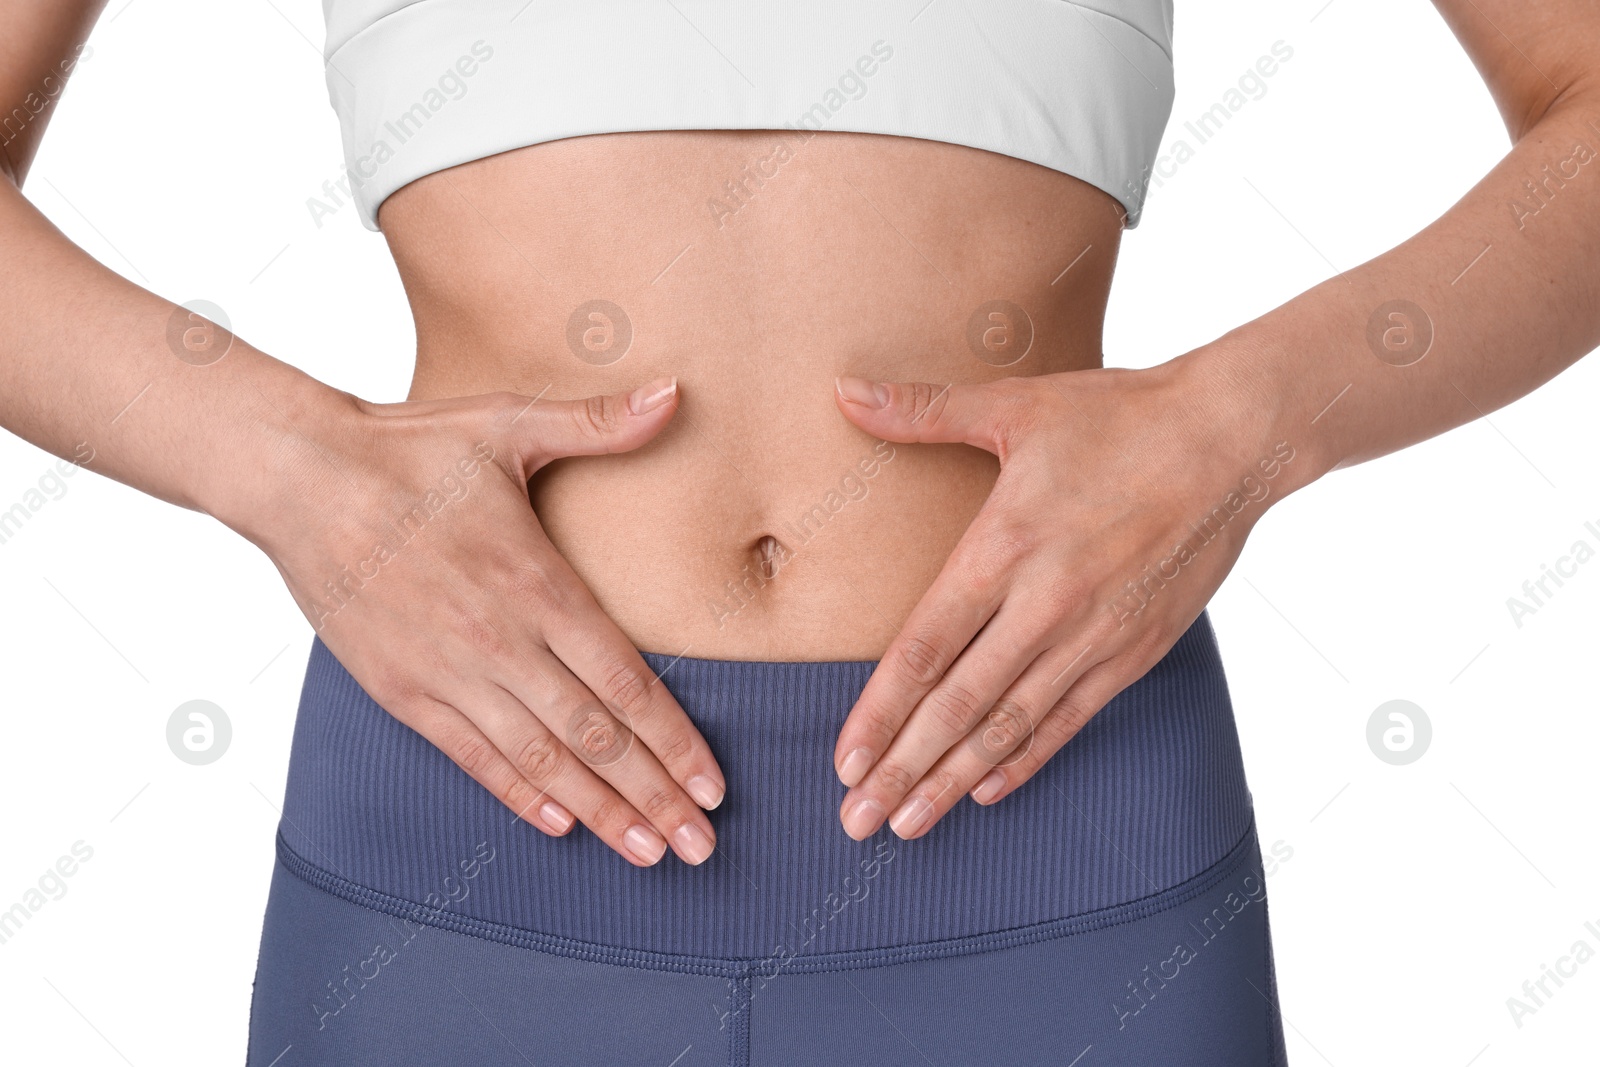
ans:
(502, 405)
(674, 748)
(393, 685)
(1148, 647)
(626, 687)
(539, 759)
(611, 815)
(954, 708)
(532, 579)
(516, 794)
(1064, 594)
(596, 415)
(878, 723)
(512, 402)
(924, 402)
(1072, 713)
(660, 806)
(1003, 728)
(473, 626)
(921, 658)
(1013, 536)
(895, 779)
(473, 754)
(940, 783)
(535, 691)
(596, 736)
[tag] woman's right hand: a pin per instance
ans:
(407, 538)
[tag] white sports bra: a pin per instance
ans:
(1084, 88)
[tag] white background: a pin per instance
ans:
(1418, 898)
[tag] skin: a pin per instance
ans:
(953, 710)
(986, 564)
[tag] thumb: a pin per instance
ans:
(546, 430)
(921, 412)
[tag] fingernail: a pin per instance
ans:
(652, 395)
(705, 790)
(987, 790)
(646, 845)
(864, 818)
(860, 391)
(856, 764)
(693, 844)
(555, 816)
(912, 817)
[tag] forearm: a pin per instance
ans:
(94, 369)
(1508, 281)
(40, 43)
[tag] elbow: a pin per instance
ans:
(1580, 93)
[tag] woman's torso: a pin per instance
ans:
(755, 266)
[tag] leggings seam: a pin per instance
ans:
(745, 967)
(739, 1031)
(1274, 1021)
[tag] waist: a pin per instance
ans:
(1146, 799)
(755, 267)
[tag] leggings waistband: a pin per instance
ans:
(1147, 797)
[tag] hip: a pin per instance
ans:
(1147, 798)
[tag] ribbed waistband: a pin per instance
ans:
(1149, 796)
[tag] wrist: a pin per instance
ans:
(292, 424)
(1253, 422)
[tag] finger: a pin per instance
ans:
(602, 658)
(1004, 736)
(944, 716)
(543, 430)
(960, 601)
(459, 738)
(918, 411)
(1084, 699)
(603, 739)
(543, 759)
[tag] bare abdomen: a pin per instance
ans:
(755, 267)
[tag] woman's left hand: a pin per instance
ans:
(1123, 500)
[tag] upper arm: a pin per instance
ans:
(1530, 54)
(39, 45)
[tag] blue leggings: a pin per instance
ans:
(1110, 911)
